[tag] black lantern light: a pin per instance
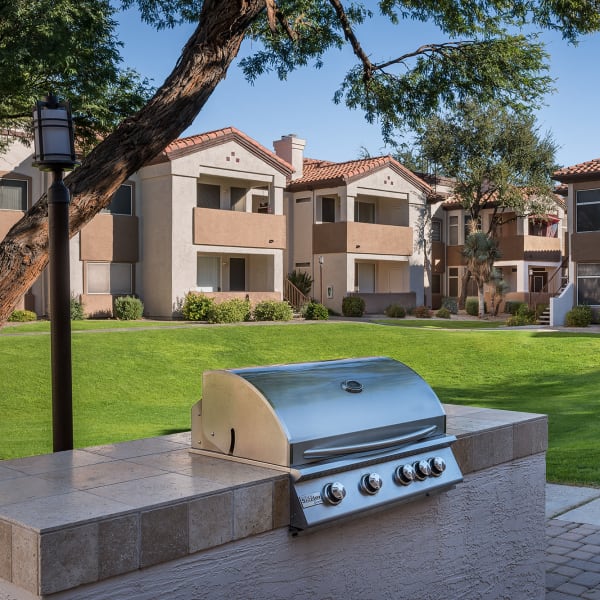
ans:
(55, 151)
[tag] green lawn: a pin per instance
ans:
(136, 384)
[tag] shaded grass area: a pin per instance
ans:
(143, 383)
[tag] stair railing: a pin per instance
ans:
(293, 295)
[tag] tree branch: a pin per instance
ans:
(427, 49)
(351, 37)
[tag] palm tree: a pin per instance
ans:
(481, 251)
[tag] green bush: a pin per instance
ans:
(270, 310)
(21, 316)
(230, 311)
(523, 316)
(443, 313)
(421, 312)
(196, 306)
(512, 307)
(77, 310)
(451, 304)
(395, 311)
(353, 306)
(302, 280)
(128, 308)
(472, 306)
(579, 316)
(316, 312)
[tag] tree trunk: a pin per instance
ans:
(202, 65)
(462, 299)
(481, 302)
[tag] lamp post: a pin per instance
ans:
(55, 152)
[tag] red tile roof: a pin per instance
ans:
(324, 173)
(193, 143)
(579, 172)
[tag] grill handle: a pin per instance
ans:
(366, 446)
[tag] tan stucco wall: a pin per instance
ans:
(110, 238)
(585, 247)
(7, 219)
(365, 238)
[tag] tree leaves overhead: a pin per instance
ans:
(66, 47)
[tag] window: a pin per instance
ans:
(328, 210)
(588, 284)
(453, 280)
(109, 278)
(208, 196)
(453, 231)
(436, 230)
(122, 201)
(364, 277)
(13, 194)
(364, 212)
(588, 210)
(260, 204)
(208, 278)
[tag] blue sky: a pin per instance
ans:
(303, 104)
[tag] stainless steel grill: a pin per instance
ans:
(354, 434)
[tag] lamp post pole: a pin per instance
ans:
(60, 313)
(55, 152)
(321, 261)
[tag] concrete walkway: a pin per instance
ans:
(573, 538)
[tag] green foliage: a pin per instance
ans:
(270, 310)
(443, 313)
(128, 308)
(512, 307)
(472, 306)
(230, 311)
(302, 280)
(69, 48)
(523, 316)
(77, 310)
(579, 316)
(395, 311)
(316, 312)
(451, 304)
(21, 316)
(196, 306)
(353, 306)
(421, 312)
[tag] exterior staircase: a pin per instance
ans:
(294, 296)
(544, 318)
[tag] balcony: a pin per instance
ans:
(214, 227)
(110, 238)
(529, 247)
(362, 238)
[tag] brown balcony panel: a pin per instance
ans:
(110, 238)
(362, 238)
(585, 247)
(213, 227)
(7, 219)
(438, 257)
(530, 247)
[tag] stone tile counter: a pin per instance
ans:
(123, 520)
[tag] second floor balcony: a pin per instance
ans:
(214, 227)
(529, 247)
(362, 238)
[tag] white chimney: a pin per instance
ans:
(291, 149)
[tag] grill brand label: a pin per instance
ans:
(312, 499)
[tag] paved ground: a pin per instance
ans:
(573, 536)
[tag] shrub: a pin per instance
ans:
(421, 312)
(21, 316)
(523, 316)
(443, 313)
(451, 304)
(77, 311)
(472, 306)
(512, 307)
(302, 280)
(230, 311)
(579, 316)
(316, 312)
(395, 311)
(353, 306)
(196, 306)
(128, 308)
(270, 310)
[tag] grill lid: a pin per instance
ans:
(300, 413)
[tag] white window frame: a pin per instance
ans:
(110, 291)
(24, 198)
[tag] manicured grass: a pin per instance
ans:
(441, 323)
(136, 384)
(85, 325)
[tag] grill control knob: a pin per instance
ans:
(404, 475)
(438, 465)
(370, 483)
(422, 469)
(334, 493)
